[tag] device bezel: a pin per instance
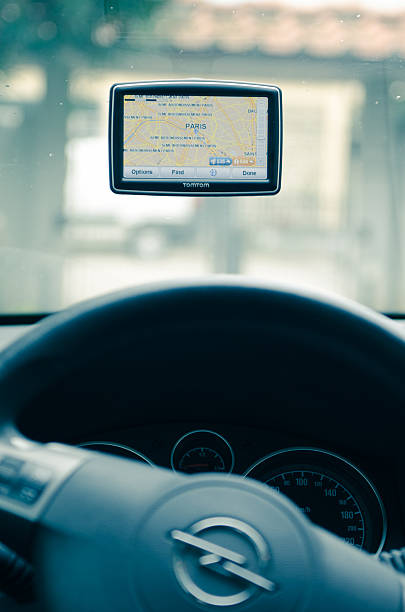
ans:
(201, 187)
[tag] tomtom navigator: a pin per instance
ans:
(195, 137)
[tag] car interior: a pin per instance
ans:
(180, 433)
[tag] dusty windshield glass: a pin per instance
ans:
(337, 223)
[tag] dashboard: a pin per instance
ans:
(310, 441)
(352, 496)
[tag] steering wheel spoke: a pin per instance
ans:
(30, 476)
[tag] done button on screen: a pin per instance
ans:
(194, 137)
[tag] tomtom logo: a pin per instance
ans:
(196, 185)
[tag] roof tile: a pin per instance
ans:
(280, 30)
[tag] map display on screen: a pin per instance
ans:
(177, 137)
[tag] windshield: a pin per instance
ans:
(338, 220)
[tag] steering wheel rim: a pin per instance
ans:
(215, 299)
(168, 499)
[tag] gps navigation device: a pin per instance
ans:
(195, 137)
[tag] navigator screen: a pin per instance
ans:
(186, 137)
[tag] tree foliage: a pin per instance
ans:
(86, 27)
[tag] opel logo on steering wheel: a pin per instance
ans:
(221, 561)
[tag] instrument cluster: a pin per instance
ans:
(329, 489)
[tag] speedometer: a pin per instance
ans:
(325, 501)
(329, 490)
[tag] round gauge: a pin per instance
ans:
(113, 448)
(201, 459)
(324, 500)
(330, 491)
(202, 451)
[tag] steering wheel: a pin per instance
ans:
(106, 533)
